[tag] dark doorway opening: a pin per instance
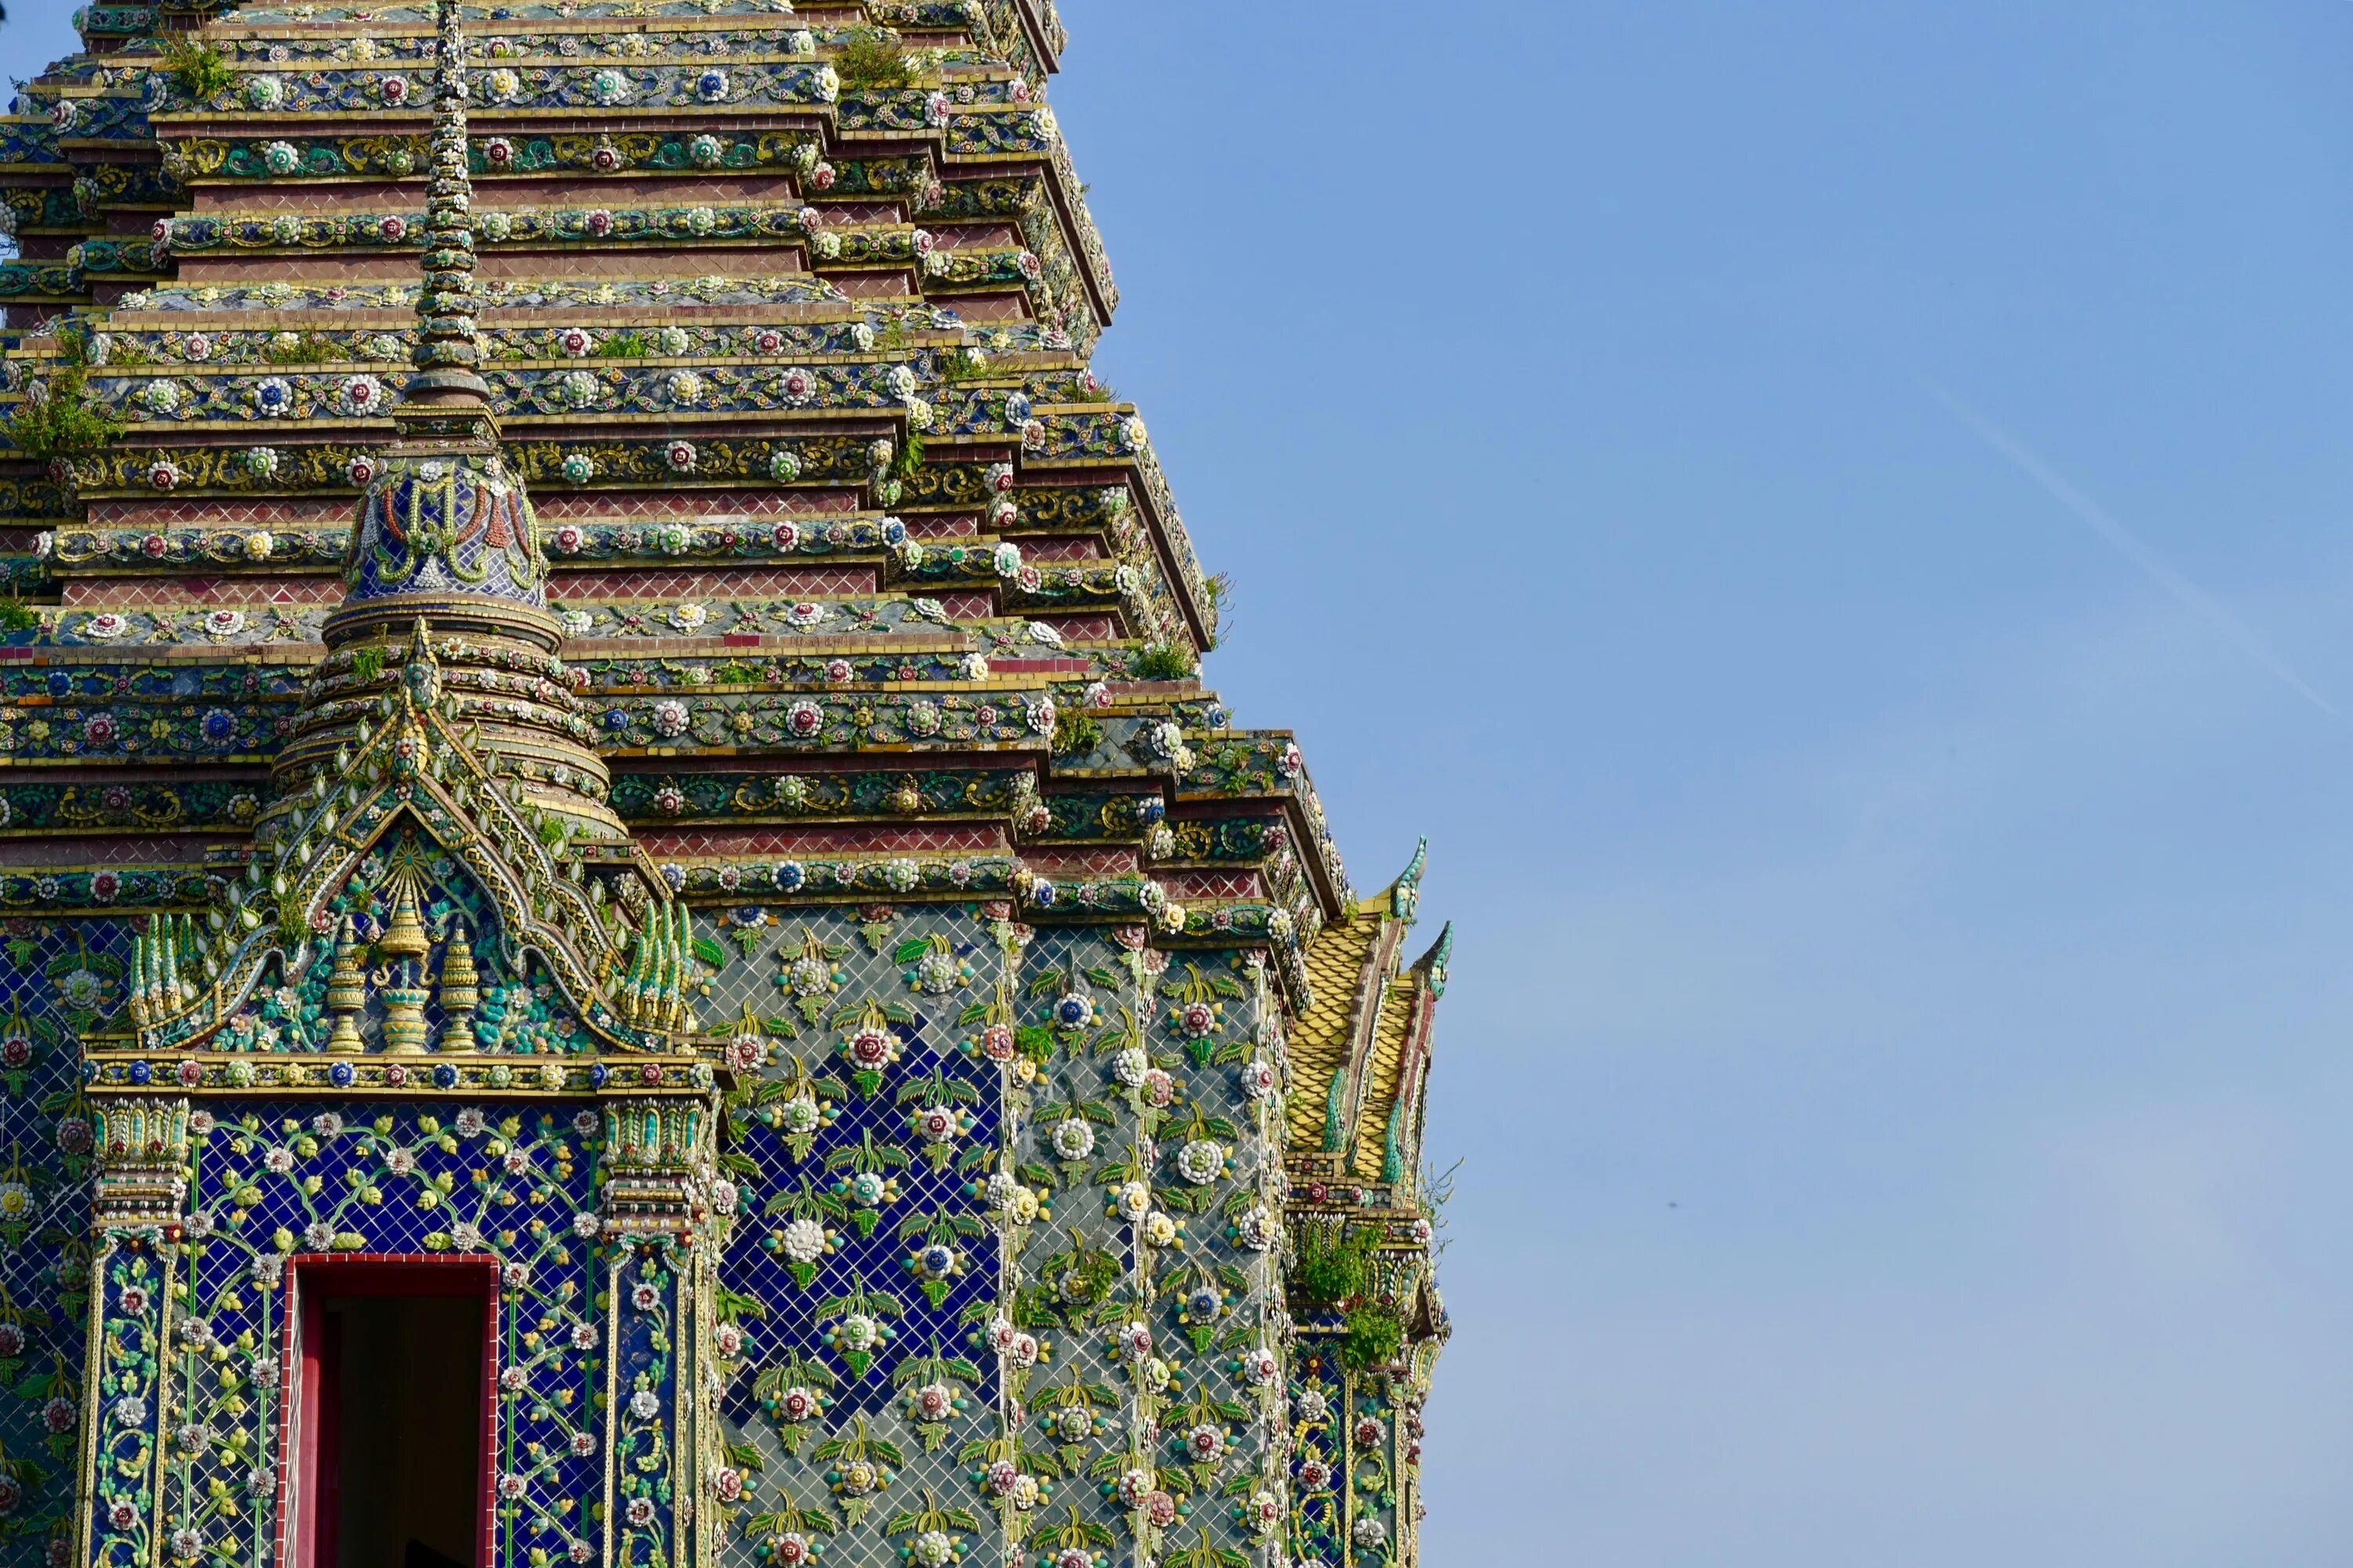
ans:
(392, 1423)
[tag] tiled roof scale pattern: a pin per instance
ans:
(591, 685)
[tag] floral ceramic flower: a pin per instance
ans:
(1132, 1340)
(1073, 1139)
(936, 1124)
(1255, 1229)
(680, 456)
(858, 1332)
(669, 718)
(1130, 1201)
(802, 1241)
(1201, 1161)
(933, 1402)
(1205, 1443)
(872, 1047)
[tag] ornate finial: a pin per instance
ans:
(1431, 965)
(449, 332)
(1405, 893)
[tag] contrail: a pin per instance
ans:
(2127, 544)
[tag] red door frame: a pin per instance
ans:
(310, 1395)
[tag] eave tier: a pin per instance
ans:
(315, 100)
(737, 760)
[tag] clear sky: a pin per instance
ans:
(1833, 517)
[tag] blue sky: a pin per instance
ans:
(1937, 899)
(1654, 444)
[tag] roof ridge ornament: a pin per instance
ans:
(449, 397)
(1405, 893)
(1431, 965)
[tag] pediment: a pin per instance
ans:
(416, 812)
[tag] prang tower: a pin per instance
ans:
(629, 938)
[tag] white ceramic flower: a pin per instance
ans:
(802, 1241)
(1201, 1161)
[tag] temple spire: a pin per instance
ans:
(449, 330)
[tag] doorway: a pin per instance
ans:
(392, 1423)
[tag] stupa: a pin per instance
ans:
(631, 938)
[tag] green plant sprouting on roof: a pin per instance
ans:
(1335, 1265)
(1373, 1336)
(1161, 662)
(197, 66)
(65, 421)
(873, 58)
(1076, 733)
(297, 348)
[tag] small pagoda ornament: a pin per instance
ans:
(401, 982)
(347, 994)
(460, 992)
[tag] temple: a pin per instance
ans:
(631, 938)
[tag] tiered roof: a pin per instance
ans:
(745, 348)
(794, 367)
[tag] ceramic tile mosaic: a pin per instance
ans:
(604, 704)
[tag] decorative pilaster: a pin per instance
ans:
(657, 1165)
(135, 1229)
